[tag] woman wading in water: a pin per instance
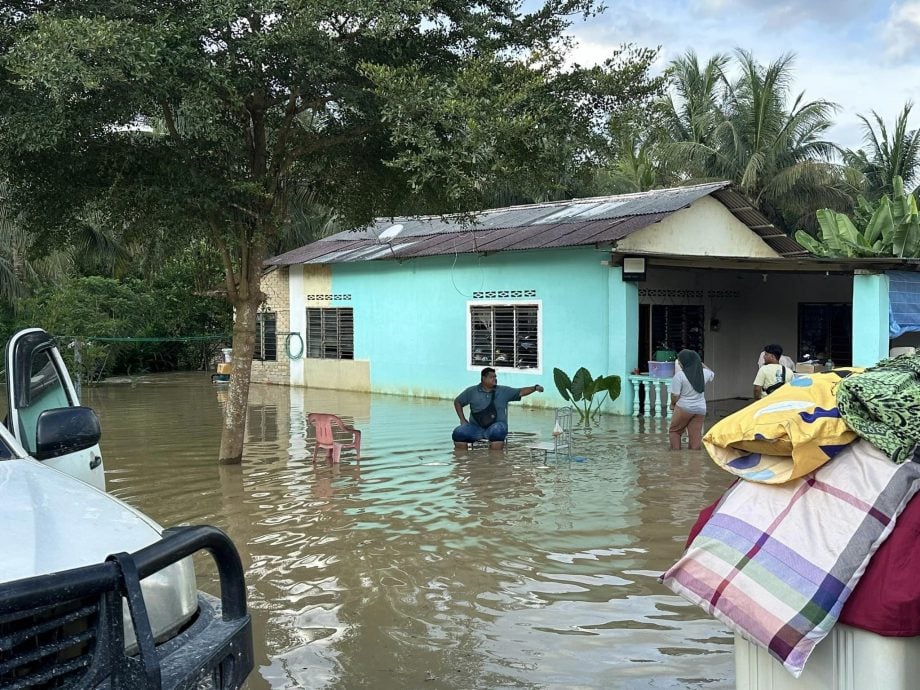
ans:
(688, 401)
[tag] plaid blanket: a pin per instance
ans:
(776, 563)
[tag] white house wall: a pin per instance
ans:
(705, 228)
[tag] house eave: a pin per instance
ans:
(794, 264)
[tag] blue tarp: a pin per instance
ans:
(903, 303)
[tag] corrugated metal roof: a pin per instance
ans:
(573, 223)
(748, 214)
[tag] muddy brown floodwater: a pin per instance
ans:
(422, 567)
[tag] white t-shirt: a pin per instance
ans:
(689, 399)
(770, 374)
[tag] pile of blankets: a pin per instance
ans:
(825, 478)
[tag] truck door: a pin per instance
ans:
(37, 380)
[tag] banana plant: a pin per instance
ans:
(905, 238)
(890, 228)
(585, 391)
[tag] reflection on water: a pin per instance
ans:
(424, 566)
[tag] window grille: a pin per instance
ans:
(669, 326)
(825, 332)
(330, 333)
(504, 335)
(503, 294)
(266, 337)
(329, 298)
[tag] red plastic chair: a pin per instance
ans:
(323, 424)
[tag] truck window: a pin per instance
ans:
(46, 392)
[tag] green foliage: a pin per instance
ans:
(186, 120)
(752, 130)
(98, 307)
(889, 227)
(207, 118)
(582, 388)
(887, 155)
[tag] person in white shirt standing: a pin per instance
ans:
(772, 374)
(785, 360)
(688, 400)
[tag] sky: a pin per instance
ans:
(863, 55)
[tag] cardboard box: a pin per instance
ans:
(224, 367)
(809, 368)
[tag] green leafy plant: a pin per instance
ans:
(890, 227)
(586, 392)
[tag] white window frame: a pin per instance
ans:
(471, 366)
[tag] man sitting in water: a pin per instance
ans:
(488, 410)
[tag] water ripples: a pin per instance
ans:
(425, 566)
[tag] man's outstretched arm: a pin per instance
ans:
(536, 388)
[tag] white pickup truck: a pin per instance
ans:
(94, 594)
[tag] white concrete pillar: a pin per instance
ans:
(298, 317)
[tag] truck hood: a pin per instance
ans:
(51, 522)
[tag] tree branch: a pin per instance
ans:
(244, 261)
(170, 120)
(284, 129)
(232, 293)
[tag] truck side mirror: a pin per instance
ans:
(65, 430)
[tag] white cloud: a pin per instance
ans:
(901, 30)
(843, 61)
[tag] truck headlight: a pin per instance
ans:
(171, 599)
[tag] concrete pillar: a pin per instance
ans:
(870, 318)
(623, 336)
(298, 318)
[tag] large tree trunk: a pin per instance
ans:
(244, 338)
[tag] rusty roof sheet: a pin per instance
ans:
(573, 223)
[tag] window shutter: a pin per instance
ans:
(270, 338)
(330, 333)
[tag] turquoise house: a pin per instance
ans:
(418, 306)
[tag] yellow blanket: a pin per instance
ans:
(787, 434)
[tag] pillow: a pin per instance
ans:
(785, 435)
(777, 563)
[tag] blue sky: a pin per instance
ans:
(861, 55)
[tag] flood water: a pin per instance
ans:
(422, 567)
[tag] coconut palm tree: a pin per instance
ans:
(744, 130)
(636, 168)
(887, 156)
(777, 154)
(22, 268)
(692, 110)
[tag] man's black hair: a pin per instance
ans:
(775, 350)
(486, 372)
